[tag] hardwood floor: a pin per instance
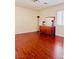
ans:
(39, 46)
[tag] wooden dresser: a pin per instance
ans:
(47, 30)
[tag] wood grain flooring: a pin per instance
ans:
(38, 46)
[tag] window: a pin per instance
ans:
(60, 18)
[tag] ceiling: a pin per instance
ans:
(38, 4)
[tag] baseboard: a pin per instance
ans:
(26, 32)
(60, 35)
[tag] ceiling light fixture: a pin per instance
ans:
(43, 2)
(35, 0)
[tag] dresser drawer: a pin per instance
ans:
(46, 30)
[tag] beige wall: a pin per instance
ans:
(25, 20)
(52, 11)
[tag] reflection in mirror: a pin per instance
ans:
(48, 21)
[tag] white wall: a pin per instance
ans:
(25, 20)
(52, 11)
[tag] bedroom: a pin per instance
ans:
(37, 29)
(34, 39)
(31, 32)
